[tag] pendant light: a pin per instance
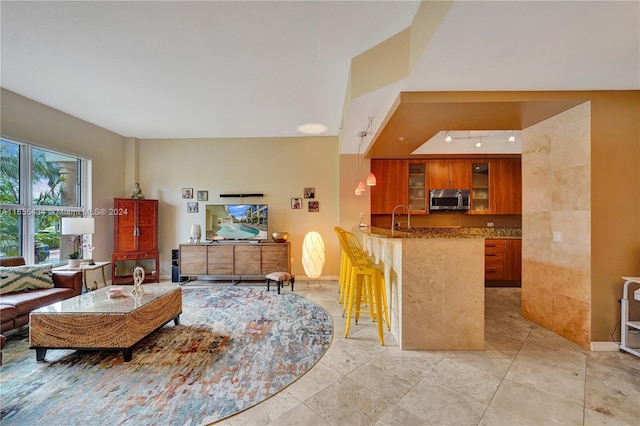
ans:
(371, 177)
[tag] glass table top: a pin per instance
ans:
(99, 302)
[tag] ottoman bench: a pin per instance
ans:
(280, 278)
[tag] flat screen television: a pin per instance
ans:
(237, 222)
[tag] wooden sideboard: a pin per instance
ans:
(234, 259)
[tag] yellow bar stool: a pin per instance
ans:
(366, 276)
(345, 271)
(344, 265)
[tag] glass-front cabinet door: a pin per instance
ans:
(480, 189)
(418, 194)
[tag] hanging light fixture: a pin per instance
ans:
(371, 179)
(361, 187)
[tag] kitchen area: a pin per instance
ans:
(574, 248)
(444, 228)
(463, 197)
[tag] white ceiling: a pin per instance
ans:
(183, 69)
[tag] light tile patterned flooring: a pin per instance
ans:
(526, 376)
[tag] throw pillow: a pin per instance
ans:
(18, 278)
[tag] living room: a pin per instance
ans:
(282, 167)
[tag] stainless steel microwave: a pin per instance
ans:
(449, 199)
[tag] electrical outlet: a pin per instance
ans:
(490, 224)
(557, 236)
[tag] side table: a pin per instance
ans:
(84, 268)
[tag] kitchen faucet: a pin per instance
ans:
(393, 217)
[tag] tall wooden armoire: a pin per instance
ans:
(135, 240)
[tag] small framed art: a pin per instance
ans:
(296, 203)
(187, 192)
(314, 206)
(309, 193)
(203, 195)
(192, 207)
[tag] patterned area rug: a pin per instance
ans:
(234, 348)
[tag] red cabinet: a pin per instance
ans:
(135, 240)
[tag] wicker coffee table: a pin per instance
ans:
(95, 321)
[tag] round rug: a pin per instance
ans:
(234, 348)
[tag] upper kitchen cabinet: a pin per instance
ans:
(496, 186)
(506, 181)
(449, 174)
(391, 187)
(480, 187)
(417, 187)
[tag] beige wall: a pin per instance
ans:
(32, 122)
(615, 203)
(279, 168)
(556, 181)
(353, 168)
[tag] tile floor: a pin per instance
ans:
(526, 376)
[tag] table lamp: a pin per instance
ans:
(77, 226)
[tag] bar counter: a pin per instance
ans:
(435, 284)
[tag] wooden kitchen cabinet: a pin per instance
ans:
(513, 260)
(496, 186)
(506, 184)
(449, 174)
(417, 186)
(135, 240)
(503, 260)
(494, 253)
(391, 187)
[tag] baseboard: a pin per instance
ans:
(605, 346)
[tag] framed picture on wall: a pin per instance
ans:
(192, 207)
(296, 203)
(314, 206)
(309, 193)
(203, 195)
(187, 192)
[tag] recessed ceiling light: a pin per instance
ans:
(311, 128)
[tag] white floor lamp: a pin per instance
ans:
(313, 255)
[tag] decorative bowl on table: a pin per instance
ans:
(280, 237)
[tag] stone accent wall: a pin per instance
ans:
(556, 188)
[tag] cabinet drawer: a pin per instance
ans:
(493, 270)
(494, 249)
(146, 255)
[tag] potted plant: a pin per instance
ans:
(74, 259)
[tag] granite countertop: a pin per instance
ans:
(447, 232)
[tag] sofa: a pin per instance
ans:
(15, 306)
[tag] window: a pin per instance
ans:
(37, 188)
